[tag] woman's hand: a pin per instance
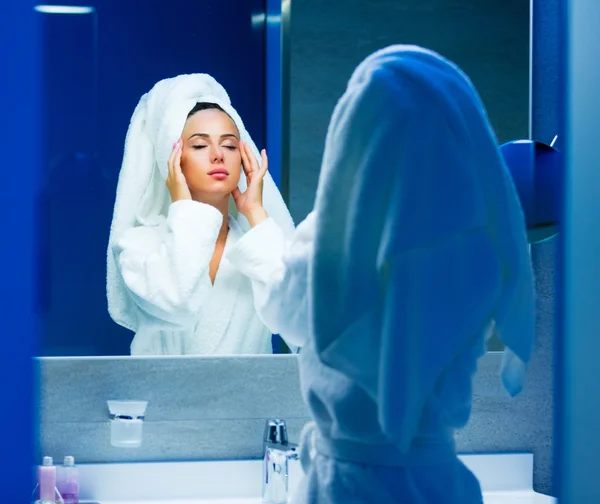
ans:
(249, 203)
(176, 182)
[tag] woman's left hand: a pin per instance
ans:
(249, 202)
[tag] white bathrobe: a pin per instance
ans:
(158, 257)
(181, 312)
(415, 252)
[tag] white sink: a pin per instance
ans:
(185, 501)
(517, 497)
(504, 498)
(504, 479)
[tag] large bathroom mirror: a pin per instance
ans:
(101, 57)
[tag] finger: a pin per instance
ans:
(253, 160)
(172, 157)
(236, 193)
(245, 161)
(170, 162)
(265, 163)
(177, 161)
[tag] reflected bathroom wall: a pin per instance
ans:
(488, 39)
(96, 68)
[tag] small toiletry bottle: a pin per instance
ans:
(68, 481)
(48, 494)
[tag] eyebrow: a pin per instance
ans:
(206, 135)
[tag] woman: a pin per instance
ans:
(182, 267)
(414, 254)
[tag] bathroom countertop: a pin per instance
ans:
(517, 497)
(504, 478)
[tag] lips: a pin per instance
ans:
(219, 171)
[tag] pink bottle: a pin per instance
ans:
(47, 482)
(68, 481)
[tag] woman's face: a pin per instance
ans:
(210, 157)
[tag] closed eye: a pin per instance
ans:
(230, 147)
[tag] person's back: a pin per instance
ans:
(415, 252)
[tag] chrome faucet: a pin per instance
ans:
(277, 452)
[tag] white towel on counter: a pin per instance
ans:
(158, 253)
(415, 252)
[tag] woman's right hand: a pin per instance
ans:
(176, 182)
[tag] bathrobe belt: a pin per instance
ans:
(424, 451)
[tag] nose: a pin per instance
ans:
(217, 154)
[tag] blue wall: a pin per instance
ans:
(90, 92)
(578, 346)
(20, 139)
